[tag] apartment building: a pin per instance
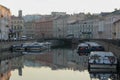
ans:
(4, 22)
(80, 29)
(29, 29)
(60, 26)
(44, 29)
(17, 26)
(116, 29)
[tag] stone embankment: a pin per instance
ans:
(111, 47)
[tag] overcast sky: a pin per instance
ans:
(69, 6)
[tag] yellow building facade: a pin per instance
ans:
(5, 18)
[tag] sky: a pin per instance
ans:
(68, 6)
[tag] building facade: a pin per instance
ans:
(30, 18)
(103, 26)
(60, 26)
(80, 29)
(17, 26)
(4, 22)
(116, 29)
(98, 29)
(44, 29)
(29, 29)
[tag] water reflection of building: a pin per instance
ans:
(58, 59)
(5, 70)
(39, 59)
(7, 65)
(17, 63)
(70, 60)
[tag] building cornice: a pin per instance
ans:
(4, 7)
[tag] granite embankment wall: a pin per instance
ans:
(112, 46)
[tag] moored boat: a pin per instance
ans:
(31, 46)
(36, 46)
(17, 47)
(83, 49)
(99, 60)
(47, 44)
(93, 46)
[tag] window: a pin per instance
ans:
(14, 27)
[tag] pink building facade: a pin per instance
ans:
(44, 29)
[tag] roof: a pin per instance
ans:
(5, 7)
(15, 17)
(72, 21)
(61, 17)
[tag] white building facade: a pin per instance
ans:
(81, 29)
(59, 26)
(104, 28)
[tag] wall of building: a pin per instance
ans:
(59, 27)
(30, 29)
(17, 26)
(4, 22)
(44, 29)
(116, 30)
(81, 29)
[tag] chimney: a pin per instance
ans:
(20, 13)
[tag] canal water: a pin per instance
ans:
(54, 64)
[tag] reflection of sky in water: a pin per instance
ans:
(45, 73)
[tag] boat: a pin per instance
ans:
(25, 45)
(17, 47)
(31, 46)
(35, 46)
(93, 46)
(83, 49)
(101, 61)
(47, 44)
